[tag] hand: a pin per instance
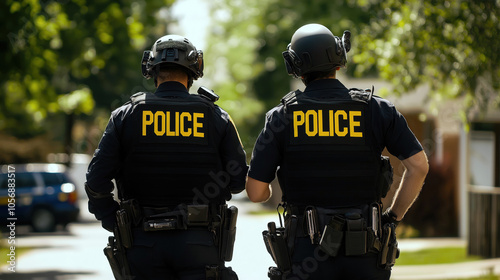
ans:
(109, 223)
(389, 217)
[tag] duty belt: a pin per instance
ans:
(357, 228)
(181, 218)
(172, 217)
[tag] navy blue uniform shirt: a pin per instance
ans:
(389, 127)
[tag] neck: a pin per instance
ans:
(184, 82)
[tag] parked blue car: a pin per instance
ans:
(40, 195)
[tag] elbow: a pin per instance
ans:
(418, 165)
(423, 168)
(258, 197)
(258, 191)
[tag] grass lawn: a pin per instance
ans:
(441, 256)
(436, 256)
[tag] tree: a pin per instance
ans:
(451, 45)
(246, 44)
(66, 57)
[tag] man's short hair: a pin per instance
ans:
(170, 72)
(307, 78)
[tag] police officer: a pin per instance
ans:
(325, 144)
(176, 158)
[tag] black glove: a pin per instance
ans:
(109, 223)
(389, 217)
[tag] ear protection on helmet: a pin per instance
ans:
(292, 61)
(146, 71)
(346, 43)
(198, 64)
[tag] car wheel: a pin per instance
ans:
(43, 220)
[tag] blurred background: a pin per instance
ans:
(66, 64)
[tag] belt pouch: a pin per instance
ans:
(355, 235)
(331, 239)
(197, 215)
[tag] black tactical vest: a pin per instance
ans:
(329, 157)
(171, 154)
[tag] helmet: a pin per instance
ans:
(173, 49)
(315, 49)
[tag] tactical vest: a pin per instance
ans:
(171, 152)
(329, 157)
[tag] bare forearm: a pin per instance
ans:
(258, 191)
(411, 184)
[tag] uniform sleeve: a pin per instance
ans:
(267, 155)
(234, 158)
(102, 169)
(398, 137)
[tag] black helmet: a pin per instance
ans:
(315, 49)
(173, 49)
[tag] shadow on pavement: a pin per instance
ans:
(43, 275)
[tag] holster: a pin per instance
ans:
(228, 233)
(276, 245)
(389, 251)
(117, 258)
(124, 225)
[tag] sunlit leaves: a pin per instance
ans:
(78, 101)
(67, 56)
(451, 45)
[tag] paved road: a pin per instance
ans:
(76, 254)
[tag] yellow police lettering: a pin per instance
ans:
(147, 119)
(176, 123)
(341, 123)
(169, 132)
(166, 123)
(314, 115)
(298, 120)
(353, 124)
(159, 125)
(321, 132)
(185, 115)
(197, 125)
(330, 118)
(337, 121)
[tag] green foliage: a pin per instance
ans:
(66, 56)
(232, 63)
(451, 45)
(247, 41)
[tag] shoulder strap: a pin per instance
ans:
(138, 97)
(290, 97)
(363, 95)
